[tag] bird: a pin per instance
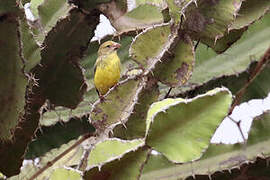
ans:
(107, 68)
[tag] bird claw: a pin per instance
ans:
(102, 98)
(116, 85)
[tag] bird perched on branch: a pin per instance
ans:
(107, 68)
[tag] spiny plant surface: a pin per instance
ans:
(186, 65)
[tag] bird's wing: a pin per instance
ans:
(95, 68)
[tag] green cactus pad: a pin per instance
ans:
(259, 88)
(250, 12)
(149, 44)
(64, 173)
(159, 3)
(211, 19)
(252, 46)
(54, 136)
(175, 71)
(146, 13)
(226, 41)
(2, 176)
(64, 114)
(89, 5)
(34, 7)
(178, 8)
(181, 129)
(8, 7)
(118, 105)
(48, 12)
(111, 149)
(141, 17)
(13, 80)
(126, 168)
(135, 127)
(60, 74)
(70, 159)
(174, 11)
(218, 157)
(30, 50)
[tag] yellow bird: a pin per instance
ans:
(107, 68)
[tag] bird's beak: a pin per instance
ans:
(116, 45)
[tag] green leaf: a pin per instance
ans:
(111, 149)
(181, 129)
(149, 44)
(175, 71)
(127, 168)
(64, 173)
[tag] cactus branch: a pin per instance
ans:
(50, 163)
(260, 66)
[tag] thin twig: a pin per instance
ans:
(50, 163)
(83, 162)
(196, 45)
(260, 66)
(168, 93)
(239, 127)
(145, 161)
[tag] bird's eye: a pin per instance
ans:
(108, 46)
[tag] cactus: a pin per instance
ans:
(218, 157)
(176, 55)
(190, 142)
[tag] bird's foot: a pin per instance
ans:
(116, 85)
(102, 98)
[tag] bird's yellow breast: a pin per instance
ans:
(107, 72)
